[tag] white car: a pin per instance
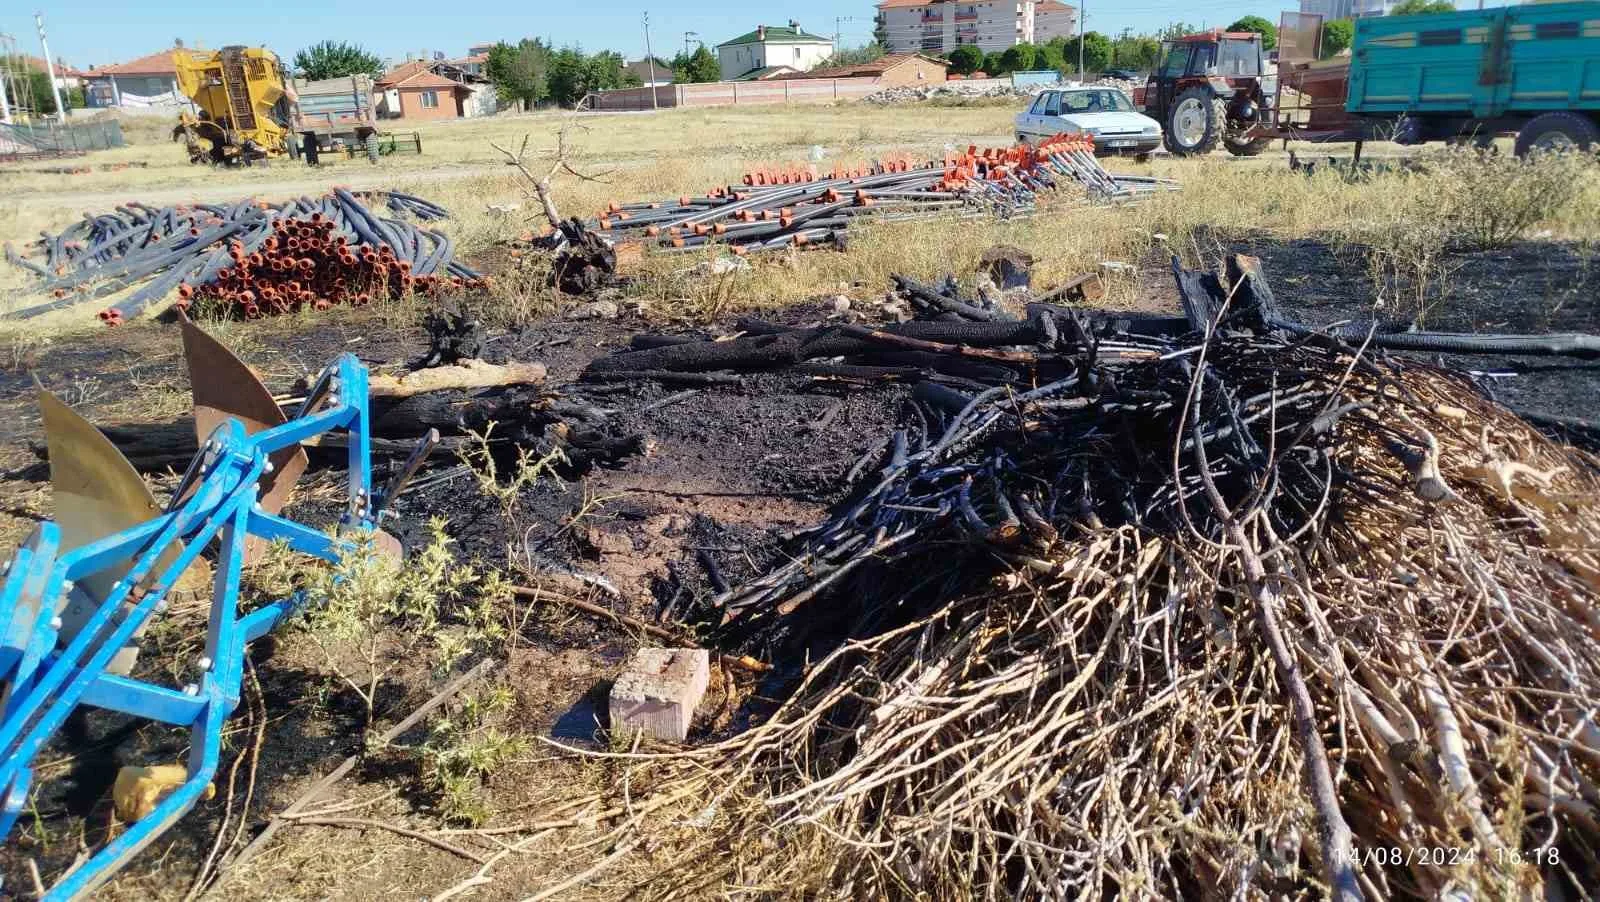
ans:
(1106, 114)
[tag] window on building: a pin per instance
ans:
(430, 99)
(797, 54)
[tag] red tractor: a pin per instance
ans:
(1211, 88)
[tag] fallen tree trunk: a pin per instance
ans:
(761, 352)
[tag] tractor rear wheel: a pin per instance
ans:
(1196, 123)
(1246, 147)
(1558, 131)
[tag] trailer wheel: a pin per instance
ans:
(1558, 131)
(1196, 123)
(1246, 147)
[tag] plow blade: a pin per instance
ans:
(97, 493)
(224, 387)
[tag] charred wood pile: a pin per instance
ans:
(1157, 606)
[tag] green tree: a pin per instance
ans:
(1135, 52)
(1268, 31)
(519, 72)
(1050, 56)
(697, 67)
(1422, 7)
(852, 56)
(1096, 52)
(1018, 57)
(574, 74)
(1177, 30)
(992, 66)
(336, 59)
(1337, 35)
(40, 97)
(966, 59)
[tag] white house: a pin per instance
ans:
(772, 45)
(940, 26)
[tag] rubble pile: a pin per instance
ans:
(248, 257)
(982, 89)
(916, 93)
(1156, 605)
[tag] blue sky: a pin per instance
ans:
(92, 32)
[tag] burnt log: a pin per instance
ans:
(585, 264)
(775, 351)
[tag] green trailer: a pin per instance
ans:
(1532, 70)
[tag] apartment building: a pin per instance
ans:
(940, 26)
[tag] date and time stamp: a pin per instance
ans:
(1450, 856)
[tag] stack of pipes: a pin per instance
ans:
(795, 206)
(253, 257)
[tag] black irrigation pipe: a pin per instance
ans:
(155, 250)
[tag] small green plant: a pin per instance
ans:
(530, 467)
(368, 613)
(465, 747)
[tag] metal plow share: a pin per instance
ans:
(81, 589)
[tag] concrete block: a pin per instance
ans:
(658, 691)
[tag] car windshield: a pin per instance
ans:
(1103, 101)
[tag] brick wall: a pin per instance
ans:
(727, 93)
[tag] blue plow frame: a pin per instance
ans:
(217, 500)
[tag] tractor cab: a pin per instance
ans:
(1211, 88)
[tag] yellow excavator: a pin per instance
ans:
(247, 109)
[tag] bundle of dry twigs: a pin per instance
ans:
(1260, 616)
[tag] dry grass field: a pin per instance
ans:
(643, 156)
(1455, 240)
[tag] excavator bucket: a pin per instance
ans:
(225, 387)
(97, 493)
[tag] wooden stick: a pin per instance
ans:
(1338, 858)
(366, 822)
(738, 662)
(597, 610)
(411, 720)
(468, 374)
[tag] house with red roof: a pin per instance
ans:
(891, 70)
(413, 90)
(150, 80)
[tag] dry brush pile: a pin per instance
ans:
(1174, 616)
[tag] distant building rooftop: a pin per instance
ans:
(783, 34)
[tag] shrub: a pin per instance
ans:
(1494, 200)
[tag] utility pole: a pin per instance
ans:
(837, 31)
(686, 36)
(50, 68)
(1083, 15)
(651, 57)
